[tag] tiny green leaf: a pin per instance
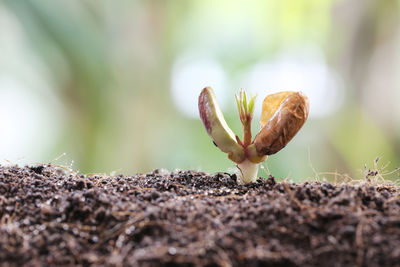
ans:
(244, 101)
(251, 104)
(238, 105)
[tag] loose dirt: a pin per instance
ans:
(187, 218)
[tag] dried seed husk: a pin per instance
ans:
(216, 126)
(271, 104)
(283, 115)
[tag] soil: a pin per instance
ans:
(52, 217)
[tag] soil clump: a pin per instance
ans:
(187, 218)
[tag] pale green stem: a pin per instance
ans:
(247, 172)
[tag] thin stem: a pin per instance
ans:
(247, 133)
(247, 172)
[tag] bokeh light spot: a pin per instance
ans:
(306, 72)
(189, 76)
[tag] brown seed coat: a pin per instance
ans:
(289, 117)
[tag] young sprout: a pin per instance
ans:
(283, 114)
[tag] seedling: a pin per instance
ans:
(283, 114)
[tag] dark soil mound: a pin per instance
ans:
(191, 218)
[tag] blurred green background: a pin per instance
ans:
(114, 84)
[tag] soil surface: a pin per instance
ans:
(52, 217)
